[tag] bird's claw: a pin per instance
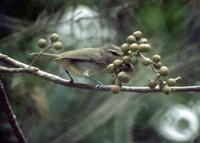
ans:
(99, 84)
(71, 81)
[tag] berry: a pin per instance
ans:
(133, 47)
(164, 71)
(117, 63)
(130, 39)
(137, 34)
(123, 77)
(57, 45)
(143, 41)
(171, 82)
(130, 53)
(126, 59)
(157, 65)
(42, 43)
(54, 37)
(125, 47)
(144, 47)
(110, 68)
(166, 89)
(115, 89)
(152, 84)
(146, 61)
(156, 58)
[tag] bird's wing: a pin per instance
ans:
(83, 55)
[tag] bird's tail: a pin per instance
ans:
(49, 55)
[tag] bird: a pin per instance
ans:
(85, 61)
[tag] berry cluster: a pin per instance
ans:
(160, 71)
(42, 43)
(133, 50)
(55, 43)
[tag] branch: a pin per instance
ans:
(59, 80)
(17, 70)
(10, 115)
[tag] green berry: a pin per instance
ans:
(126, 59)
(125, 47)
(42, 43)
(137, 34)
(146, 61)
(164, 71)
(57, 45)
(117, 63)
(157, 65)
(171, 82)
(133, 47)
(110, 68)
(54, 37)
(166, 89)
(131, 39)
(156, 58)
(123, 77)
(115, 89)
(130, 53)
(143, 41)
(152, 84)
(144, 47)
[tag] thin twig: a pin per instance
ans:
(39, 55)
(10, 115)
(62, 81)
(4, 69)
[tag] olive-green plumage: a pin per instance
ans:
(86, 61)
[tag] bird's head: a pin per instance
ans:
(111, 52)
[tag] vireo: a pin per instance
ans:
(85, 61)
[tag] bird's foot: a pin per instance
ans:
(71, 81)
(98, 84)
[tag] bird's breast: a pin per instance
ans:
(79, 67)
(87, 68)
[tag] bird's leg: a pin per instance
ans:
(87, 75)
(98, 83)
(71, 79)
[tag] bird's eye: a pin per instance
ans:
(114, 53)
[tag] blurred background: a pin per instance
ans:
(48, 112)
